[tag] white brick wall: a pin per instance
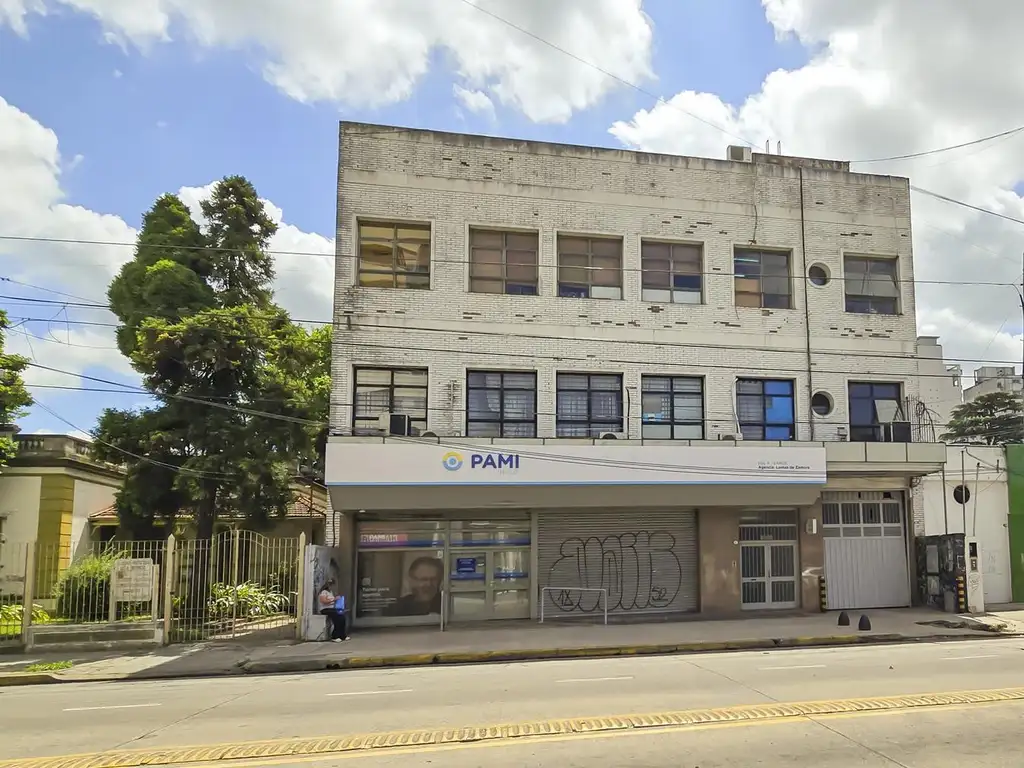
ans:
(455, 182)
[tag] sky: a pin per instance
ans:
(107, 104)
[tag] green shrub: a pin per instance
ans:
(246, 600)
(283, 577)
(84, 588)
(11, 613)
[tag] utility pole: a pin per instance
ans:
(1020, 295)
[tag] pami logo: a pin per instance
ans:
(494, 461)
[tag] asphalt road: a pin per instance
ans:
(985, 737)
(90, 717)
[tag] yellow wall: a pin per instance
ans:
(53, 536)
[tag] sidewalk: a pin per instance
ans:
(500, 642)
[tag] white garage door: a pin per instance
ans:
(865, 550)
(645, 560)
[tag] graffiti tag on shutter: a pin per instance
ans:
(639, 569)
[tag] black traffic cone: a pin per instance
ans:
(865, 623)
(844, 619)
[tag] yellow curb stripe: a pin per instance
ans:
(305, 747)
(27, 678)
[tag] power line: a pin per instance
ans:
(541, 267)
(186, 398)
(661, 101)
(950, 148)
(521, 450)
(137, 457)
(341, 325)
(962, 204)
(451, 443)
(605, 72)
(707, 415)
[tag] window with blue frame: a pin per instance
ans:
(503, 262)
(589, 267)
(671, 272)
(872, 404)
(766, 409)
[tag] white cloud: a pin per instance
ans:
(31, 206)
(373, 52)
(890, 79)
(475, 101)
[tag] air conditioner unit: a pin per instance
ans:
(394, 424)
(739, 154)
(612, 436)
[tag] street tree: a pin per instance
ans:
(996, 418)
(14, 397)
(235, 411)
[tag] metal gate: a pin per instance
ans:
(239, 583)
(768, 571)
(645, 561)
(865, 550)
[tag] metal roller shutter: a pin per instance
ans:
(645, 559)
(865, 550)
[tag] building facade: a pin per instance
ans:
(971, 496)
(993, 378)
(615, 380)
(941, 383)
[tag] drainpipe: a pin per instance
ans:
(807, 308)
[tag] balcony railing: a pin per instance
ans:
(914, 423)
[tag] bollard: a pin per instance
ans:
(844, 619)
(865, 623)
(961, 595)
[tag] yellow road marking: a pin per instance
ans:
(633, 733)
(303, 749)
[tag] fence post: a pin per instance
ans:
(112, 602)
(27, 597)
(300, 589)
(234, 580)
(169, 571)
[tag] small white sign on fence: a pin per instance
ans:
(131, 580)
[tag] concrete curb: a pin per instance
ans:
(272, 666)
(8, 679)
(294, 665)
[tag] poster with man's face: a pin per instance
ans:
(400, 583)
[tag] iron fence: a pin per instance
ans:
(14, 564)
(98, 582)
(238, 584)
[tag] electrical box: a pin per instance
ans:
(974, 583)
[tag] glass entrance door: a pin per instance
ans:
(489, 584)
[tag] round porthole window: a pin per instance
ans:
(821, 404)
(818, 275)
